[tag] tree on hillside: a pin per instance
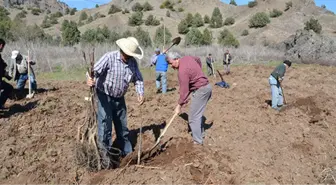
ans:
(67, 11)
(114, 9)
(226, 38)
(259, 20)
(194, 37)
(206, 19)
(137, 7)
(229, 21)
(323, 6)
(275, 13)
(143, 37)
(147, 7)
(159, 36)
(216, 19)
(183, 27)
(5, 23)
(313, 24)
(207, 37)
(89, 36)
(70, 33)
(289, 4)
(83, 16)
(135, 19)
(127, 33)
(152, 21)
(189, 19)
(252, 4)
(73, 11)
(197, 20)
(233, 2)
(103, 34)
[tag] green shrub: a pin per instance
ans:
(21, 15)
(229, 21)
(167, 13)
(67, 11)
(125, 11)
(36, 11)
(245, 33)
(189, 19)
(252, 4)
(135, 19)
(313, 24)
(194, 38)
(180, 9)
(57, 15)
(159, 36)
(147, 7)
(83, 16)
(152, 21)
(216, 19)
(275, 13)
(323, 6)
(183, 27)
(143, 37)
(259, 20)
(233, 2)
(207, 37)
(197, 20)
(114, 9)
(288, 5)
(137, 7)
(73, 11)
(206, 19)
(226, 38)
(167, 4)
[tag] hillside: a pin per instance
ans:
(278, 30)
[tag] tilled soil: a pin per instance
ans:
(245, 140)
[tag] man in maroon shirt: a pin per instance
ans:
(192, 80)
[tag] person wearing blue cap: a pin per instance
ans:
(161, 67)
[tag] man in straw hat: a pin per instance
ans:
(192, 81)
(112, 75)
(19, 70)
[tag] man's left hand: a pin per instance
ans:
(141, 99)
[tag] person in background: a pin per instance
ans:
(209, 61)
(19, 71)
(227, 61)
(5, 88)
(275, 80)
(161, 67)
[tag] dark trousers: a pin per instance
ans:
(112, 110)
(5, 91)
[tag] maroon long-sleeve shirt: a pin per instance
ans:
(191, 77)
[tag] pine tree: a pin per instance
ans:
(207, 37)
(216, 18)
(197, 20)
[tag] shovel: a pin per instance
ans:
(30, 95)
(175, 41)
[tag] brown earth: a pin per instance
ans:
(246, 141)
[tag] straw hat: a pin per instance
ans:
(15, 53)
(130, 46)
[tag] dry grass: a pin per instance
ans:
(54, 59)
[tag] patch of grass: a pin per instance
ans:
(59, 75)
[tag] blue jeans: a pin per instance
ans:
(21, 82)
(112, 109)
(161, 77)
(277, 97)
